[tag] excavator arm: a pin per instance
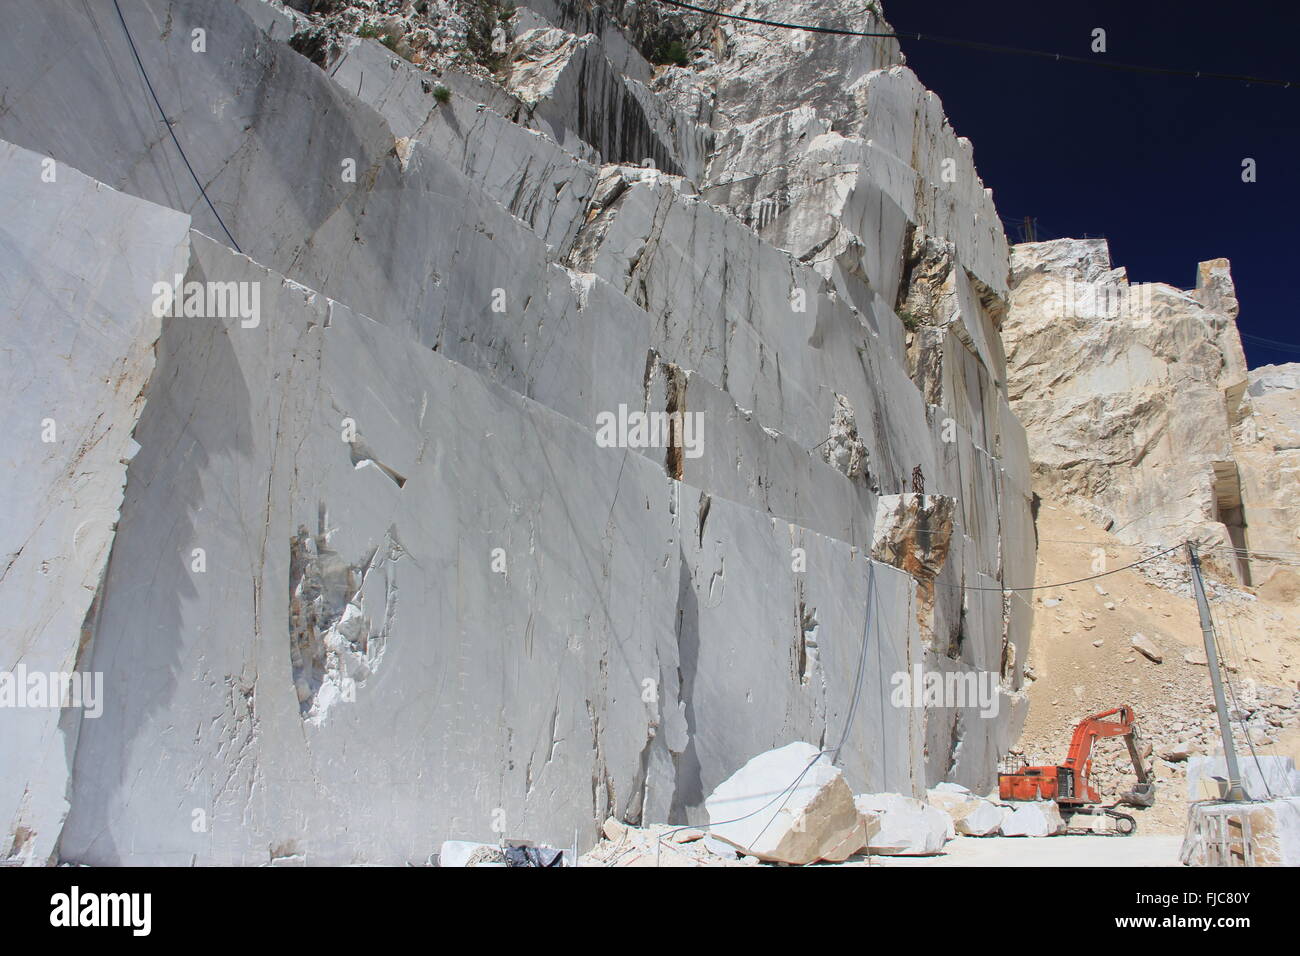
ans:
(1118, 722)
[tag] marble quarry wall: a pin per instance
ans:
(521, 466)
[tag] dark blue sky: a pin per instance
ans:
(1153, 163)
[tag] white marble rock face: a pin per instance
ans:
(433, 606)
(77, 336)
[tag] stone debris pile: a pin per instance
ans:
(462, 853)
(791, 806)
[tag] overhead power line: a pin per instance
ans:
(1252, 552)
(168, 123)
(1271, 343)
(986, 47)
(1091, 577)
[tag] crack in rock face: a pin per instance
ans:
(808, 662)
(334, 645)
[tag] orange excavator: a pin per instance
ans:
(1069, 783)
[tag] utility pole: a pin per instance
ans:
(1235, 791)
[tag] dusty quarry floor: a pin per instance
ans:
(1158, 850)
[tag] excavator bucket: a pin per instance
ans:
(1142, 795)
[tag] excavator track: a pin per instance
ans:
(1124, 825)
